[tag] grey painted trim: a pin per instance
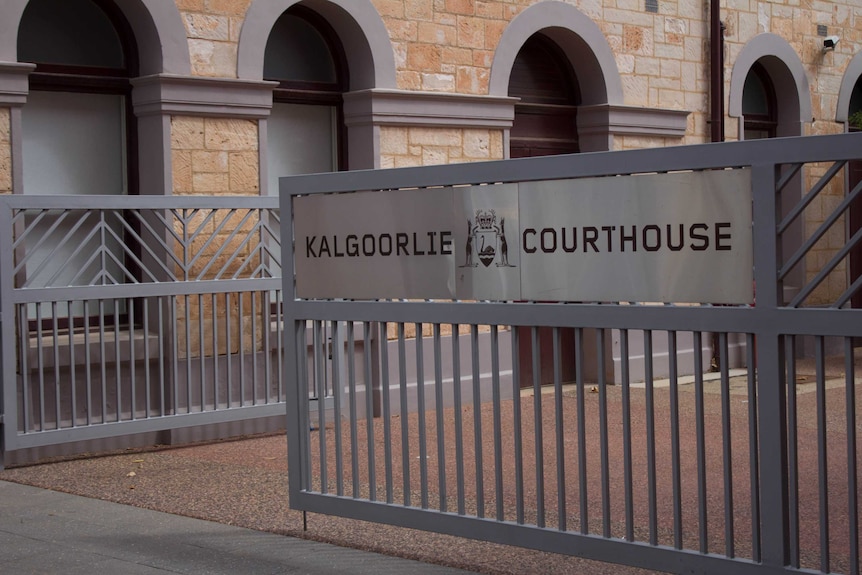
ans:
(155, 160)
(580, 39)
(852, 74)
(195, 96)
(158, 27)
(408, 108)
(14, 83)
(359, 27)
(10, 18)
(766, 46)
(263, 158)
(363, 147)
(631, 121)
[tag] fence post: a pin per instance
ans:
(771, 389)
(8, 378)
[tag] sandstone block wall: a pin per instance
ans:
(213, 28)
(424, 146)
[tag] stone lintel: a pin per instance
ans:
(194, 96)
(433, 109)
(631, 121)
(14, 83)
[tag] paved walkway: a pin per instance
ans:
(46, 532)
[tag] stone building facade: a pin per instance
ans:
(219, 96)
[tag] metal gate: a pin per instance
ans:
(130, 315)
(733, 452)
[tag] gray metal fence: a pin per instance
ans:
(744, 460)
(124, 315)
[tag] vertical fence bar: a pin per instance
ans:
(459, 425)
(303, 403)
(118, 381)
(754, 471)
(55, 348)
(440, 413)
(559, 433)
(700, 433)
(727, 460)
(201, 354)
(822, 454)
(240, 321)
(674, 438)
(582, 431)
(538, 444)
(477, 421)
(215, 354)
(162, 352)
(280, 343)
(498, 422)
(102, 366)
(792, 453)
(337, 386)
(266, 344)
(173, 318)
(253, 350)
(228, 350)
(625, 376)
(604, 442)
(367, 329)
(188, 333)
(73, 371)
(40, 367)
(387, 412)
(516, 425)
(352, 407)
(852, 455)
(26, 380)
(402, 415)
(145, 314)
(650, 438)
(87, 368)
(320, 393)
(423, 439)
(132, 370)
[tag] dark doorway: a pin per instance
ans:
(545, 124)
(546, 116)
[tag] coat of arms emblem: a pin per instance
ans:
(486, 239)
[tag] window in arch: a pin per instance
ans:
(79, 131)
(546, 116)
(758, 105)
(304, 131)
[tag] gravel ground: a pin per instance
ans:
(244, 482)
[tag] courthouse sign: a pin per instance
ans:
(681, 237)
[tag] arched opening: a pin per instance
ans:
(305, 130)
(85, 56)
(545, 120)
(545, 124)
(79, 130)
(769, 94)
(759, 105)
